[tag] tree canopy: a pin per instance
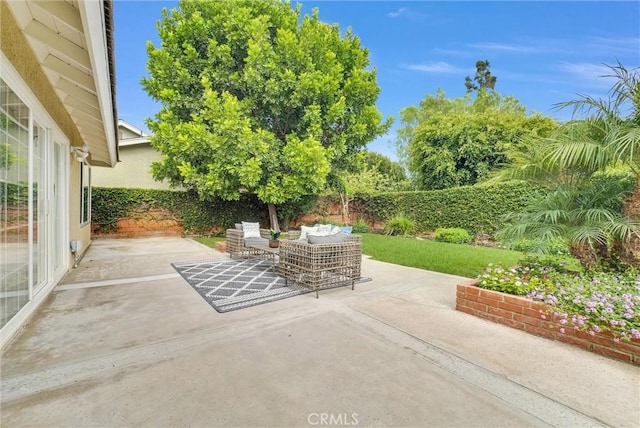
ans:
(257, 98)
(392, 170)
(483, 79)
(460, 141)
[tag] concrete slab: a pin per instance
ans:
(124, 341)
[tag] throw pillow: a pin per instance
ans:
(251, 230)
(327, 239)
(346, 229)
(304, 230)
(335, 230)
(238, 226)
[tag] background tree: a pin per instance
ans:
(393, 171)
(483, 79)
(456, 142)
(256, 99)
(372, 173)
(587, 159)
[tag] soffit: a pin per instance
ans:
(56, 33)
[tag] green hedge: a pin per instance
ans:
(197, 217)
(473, 208)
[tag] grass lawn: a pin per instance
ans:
(455, 259)
(210, 241)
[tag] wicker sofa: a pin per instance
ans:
(321, 265)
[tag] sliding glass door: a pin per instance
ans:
(15, 121)
(33, 199)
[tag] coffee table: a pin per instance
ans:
(266, 252)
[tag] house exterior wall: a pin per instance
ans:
(133, 170)
(18, 52)
(126, 134)
(36, 229)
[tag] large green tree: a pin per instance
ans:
(256, 98)
(460, 141)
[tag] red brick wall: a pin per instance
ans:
(524, 314)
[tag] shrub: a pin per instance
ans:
(528, 245)
(596, 302)
(399, 225)
(590, 302)
(360, 227)
(453, 235)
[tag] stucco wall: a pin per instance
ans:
(133, 170)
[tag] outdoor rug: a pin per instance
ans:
(235, 284)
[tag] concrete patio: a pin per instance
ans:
(125, 341)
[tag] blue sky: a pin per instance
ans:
(542, 52)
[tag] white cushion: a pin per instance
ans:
(335, 230)
(323, 229)
(306, 229)
(327, 239)
(251, 230)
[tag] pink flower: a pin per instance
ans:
(562, 330)
(543, 316)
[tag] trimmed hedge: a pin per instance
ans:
(108, 205)
(473, 208)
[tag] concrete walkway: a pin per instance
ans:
(125, 341)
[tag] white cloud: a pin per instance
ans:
(515, 48)
(436, 67)
(403, 11)
(613, 46)
(587, 73)
(454, 52)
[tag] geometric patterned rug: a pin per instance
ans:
(235, 284)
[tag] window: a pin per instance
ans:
(85, 197)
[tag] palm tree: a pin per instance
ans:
(578, 208)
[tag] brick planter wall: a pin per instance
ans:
(524, 314)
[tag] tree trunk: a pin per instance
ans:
(273, 217)
(344, 198)
(629, 251)
(591, 257)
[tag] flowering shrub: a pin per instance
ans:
(587, 302)
(595, 303)
(531, 274)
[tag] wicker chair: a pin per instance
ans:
(321, 265)
(237, 244)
